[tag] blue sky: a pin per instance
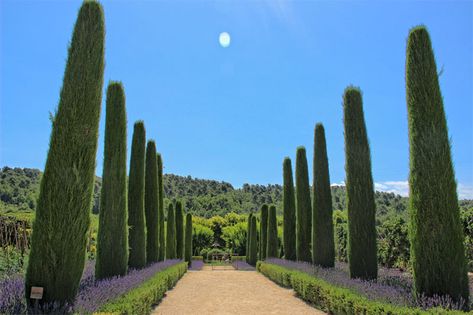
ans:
(234, 113)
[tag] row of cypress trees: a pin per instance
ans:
(268, 245)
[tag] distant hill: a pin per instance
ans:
(19, 188)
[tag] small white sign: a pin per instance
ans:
(36, 293)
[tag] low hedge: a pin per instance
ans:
(333, 299)
(198, 258)
(239, 258)
(141, 299)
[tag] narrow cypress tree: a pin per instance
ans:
(161, 237)
(272, 247)
(179, 231)
(263, 232)
(289, 211)
(62, 214)
(303, 209)
(112, 238)
(253, 242)
(136, 198)
(151, 203)
(188, 240)
(360, 195)
(323, 247)
(437, 252)
(248, 235)
(171, 234)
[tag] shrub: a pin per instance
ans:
(112, 237)
(62, 215)
(340, 223)
(263, 232)
(272, 249)
(303, 207)
(437, 252)
(161, 235)
(179, 216)
(289, 212)
(393, 243)
(188, 239)
(151, 203)
(171, 234)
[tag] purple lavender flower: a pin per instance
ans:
(242, 265)
(196, 265)
(12, 295)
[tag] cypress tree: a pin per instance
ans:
(253, 242)
(289, 211)
(151, 203)
(112, 238)
(303, 209)
(263, 232)
(171, 234)
(161, 237)
(360, 194)
(272, 247)
(323, 247)
(437, 252)
(62, 214)
(248, 235)
(136, 198)
(188, 240)
(179, 231)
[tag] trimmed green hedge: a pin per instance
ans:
(239, 258)
(332, 299)
(141, 299)
(198, 258)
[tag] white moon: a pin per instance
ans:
(224, 39)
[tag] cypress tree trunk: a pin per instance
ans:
(248, 236)
(253, 242)
(136, 198)
(171, 234)
(263, 232)
(188, 240)
(437, 252)
(323, 247)
(362, 257)
(303, 209)
(112, 238)
(272, 249)
(151, 203)
(179, 231)
(289, 211)
(62, 214)
(161, 237)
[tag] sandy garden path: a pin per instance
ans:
(230, 292)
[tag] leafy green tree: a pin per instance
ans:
(235, 237)
(263, 231)
(303, 207)
(202, 238)
(253, 256)
(340, 223)
(151, 203)
(136, 198)
(323, 248)
(289, 203)
(188, 240)
(272, 247)
(112, 238)
(161, 235)
(62, 216)
(360, 193)
(248, 237)
(171, 234)
(393, 243)
(437, 252)
(179, 230)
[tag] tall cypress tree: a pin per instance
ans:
(188, 240)
(253, 242)
(136, 198)
(360, 194)
(179, 230)
(289, 212)
(248, 235)
(171, 234)
(151, 203)
(272, 247)
(437, 252)
(303, 207)
(62, 214)
(323, 247)
(263, 232)
(112, 238)
(161, 219)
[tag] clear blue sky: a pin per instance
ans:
(234, 113)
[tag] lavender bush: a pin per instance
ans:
(196, 265)
(242, 265)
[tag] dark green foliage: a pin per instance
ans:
(179, 216)
(289, 212)
(340, 224)
(112, 238)
(151, 203)
(360, 194)
(272, 247)
(437, 252)
(136, 199)
(303, 207)
(62, 214)
(323, 248)
(188, 239)
(161, 219)
(248, 237)
(466, 216)
(263, 232)
(253, 255)
(171, 234)
(393, 243)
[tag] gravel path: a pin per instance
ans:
(231, 292)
